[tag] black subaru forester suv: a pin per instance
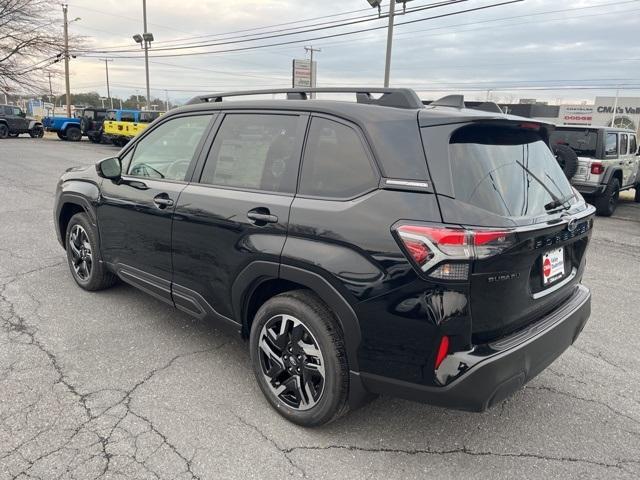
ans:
(373, 247)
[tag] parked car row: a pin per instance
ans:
(14, 122)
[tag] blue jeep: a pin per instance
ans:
(67, 128)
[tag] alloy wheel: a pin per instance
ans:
(291, 361)
(81, 253)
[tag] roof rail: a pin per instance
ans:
(391, 97)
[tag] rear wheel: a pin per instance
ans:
(607, 202)
(83, 256)
(97, 138)
(4, 131)
(637, 197)
(299, 358)
(73, 134)
(61, 136)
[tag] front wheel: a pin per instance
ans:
(4, 131)
(607, 202)
(83, 256)
(37, 132)
(299, 358)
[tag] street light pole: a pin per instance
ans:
(66, 59)
(146, 51)
(53, 113)
(106, 66)
(387, 65)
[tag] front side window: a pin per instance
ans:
(90, 114)
(611, 144)
(623, 143)
(633, 145)
(111, 115)
(167, 151)
(255, 151)
(17, 111)
(148, 117)
(507, 171)
(336, 164)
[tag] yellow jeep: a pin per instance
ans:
(120, 126)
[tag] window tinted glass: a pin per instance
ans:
(582, 141)
(16, 111)
(623, 143)
(167, 151)
(256, 152)
(90, 114)
(633, 146)
(148, 117)
(111, 115)
(127, 117)
(488, 170)
(100, 115)
(611, 144)
(335, 162)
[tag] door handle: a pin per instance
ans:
(261, 216)
(162, 200)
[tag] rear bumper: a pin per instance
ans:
(589, 189)
(493, 372)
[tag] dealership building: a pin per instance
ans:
(599, 114)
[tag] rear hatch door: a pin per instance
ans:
(504, 175)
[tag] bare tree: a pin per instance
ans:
(30, 42)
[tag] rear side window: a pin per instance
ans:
(336, 164)
(255, 151)
(611, 144)
(633, 146)
(582, 141)
(623, 143)
(127, 117)
(489, 170)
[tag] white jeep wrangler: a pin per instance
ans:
(605, 162)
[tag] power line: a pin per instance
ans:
(308, 40)
(273, 34)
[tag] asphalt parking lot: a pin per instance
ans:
(117, 385)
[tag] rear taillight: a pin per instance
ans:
(445, 252)
(597, 168)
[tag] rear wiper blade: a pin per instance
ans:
(559, 203)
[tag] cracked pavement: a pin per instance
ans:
(116, 385)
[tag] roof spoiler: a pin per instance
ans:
(457, 101)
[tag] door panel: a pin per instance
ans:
(214, 240)
(134, 229)
(238, 211)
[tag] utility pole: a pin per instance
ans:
(106, 67)
(312, 74)
(615, 108)
(146, 50)
(387, 65)
(53, 113)
(166, 100)
(66, 58)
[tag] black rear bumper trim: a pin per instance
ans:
(511, 363)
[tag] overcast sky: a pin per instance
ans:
(534, 43)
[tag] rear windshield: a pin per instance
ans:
(583, 141)
(489, 170)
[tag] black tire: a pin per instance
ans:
(607, 202)
(4, 131)
(97, 138)
(637, 197)
(73, 134)
(37, 132)
(567, 159)
(84, 125)
(320, 330)
(61, 136)
(97, 276)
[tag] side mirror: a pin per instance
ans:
(109, 168)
